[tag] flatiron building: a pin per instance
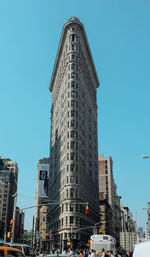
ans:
(73, 177)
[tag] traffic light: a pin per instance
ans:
(87, 210)
(101, 231)
(9, 235)
(11, 225)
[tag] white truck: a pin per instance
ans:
(100, 241)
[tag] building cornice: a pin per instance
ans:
(76, 21)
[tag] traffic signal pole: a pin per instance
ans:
(14, 216)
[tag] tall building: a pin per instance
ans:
(41, 193)
(110, 215)
(9, 177)
(148, 219)
(19, 225)
(127, 240)
(73, 180)
(127, 222)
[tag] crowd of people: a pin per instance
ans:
(110, 253)
(90, 253)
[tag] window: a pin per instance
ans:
(72, 65)
(73, 56)
(76, 192)
(72, 144)
(71, 179)
(72, 156)
(72, 103)
(71, 167)
(72, 83)
(67, 145)
(72, 93)
(71, 192)
(71, 207)
(72, 47)
(67, 205)
(73, 37)
(66, 226)
(76, 179)
(72, 75)
(76, 145)
(72, 134)
(72, 113)
(72, 123)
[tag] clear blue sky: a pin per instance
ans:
(118, 34)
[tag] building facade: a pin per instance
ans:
(108, 193)
(43, 227)
(19, 225)
(127, 240)
(148, 219)
(127, 222)
(9, 177)
(73, 180)
(41, 196)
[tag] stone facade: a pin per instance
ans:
(41, 195)
(148, 219)
(127, 240)
(108, 192)
(73, 179)
(9, 177)
(43, 227)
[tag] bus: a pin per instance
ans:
(100, 241)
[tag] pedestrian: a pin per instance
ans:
(92, 253)
(127, 253)
(81, 253)
(115, 253)
(103, 252)
(111, 253)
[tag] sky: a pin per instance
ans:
(119, 38)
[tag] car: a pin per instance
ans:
(6, 251)
(141, 249)
(26, 249)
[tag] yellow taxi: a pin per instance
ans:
(10, 252)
